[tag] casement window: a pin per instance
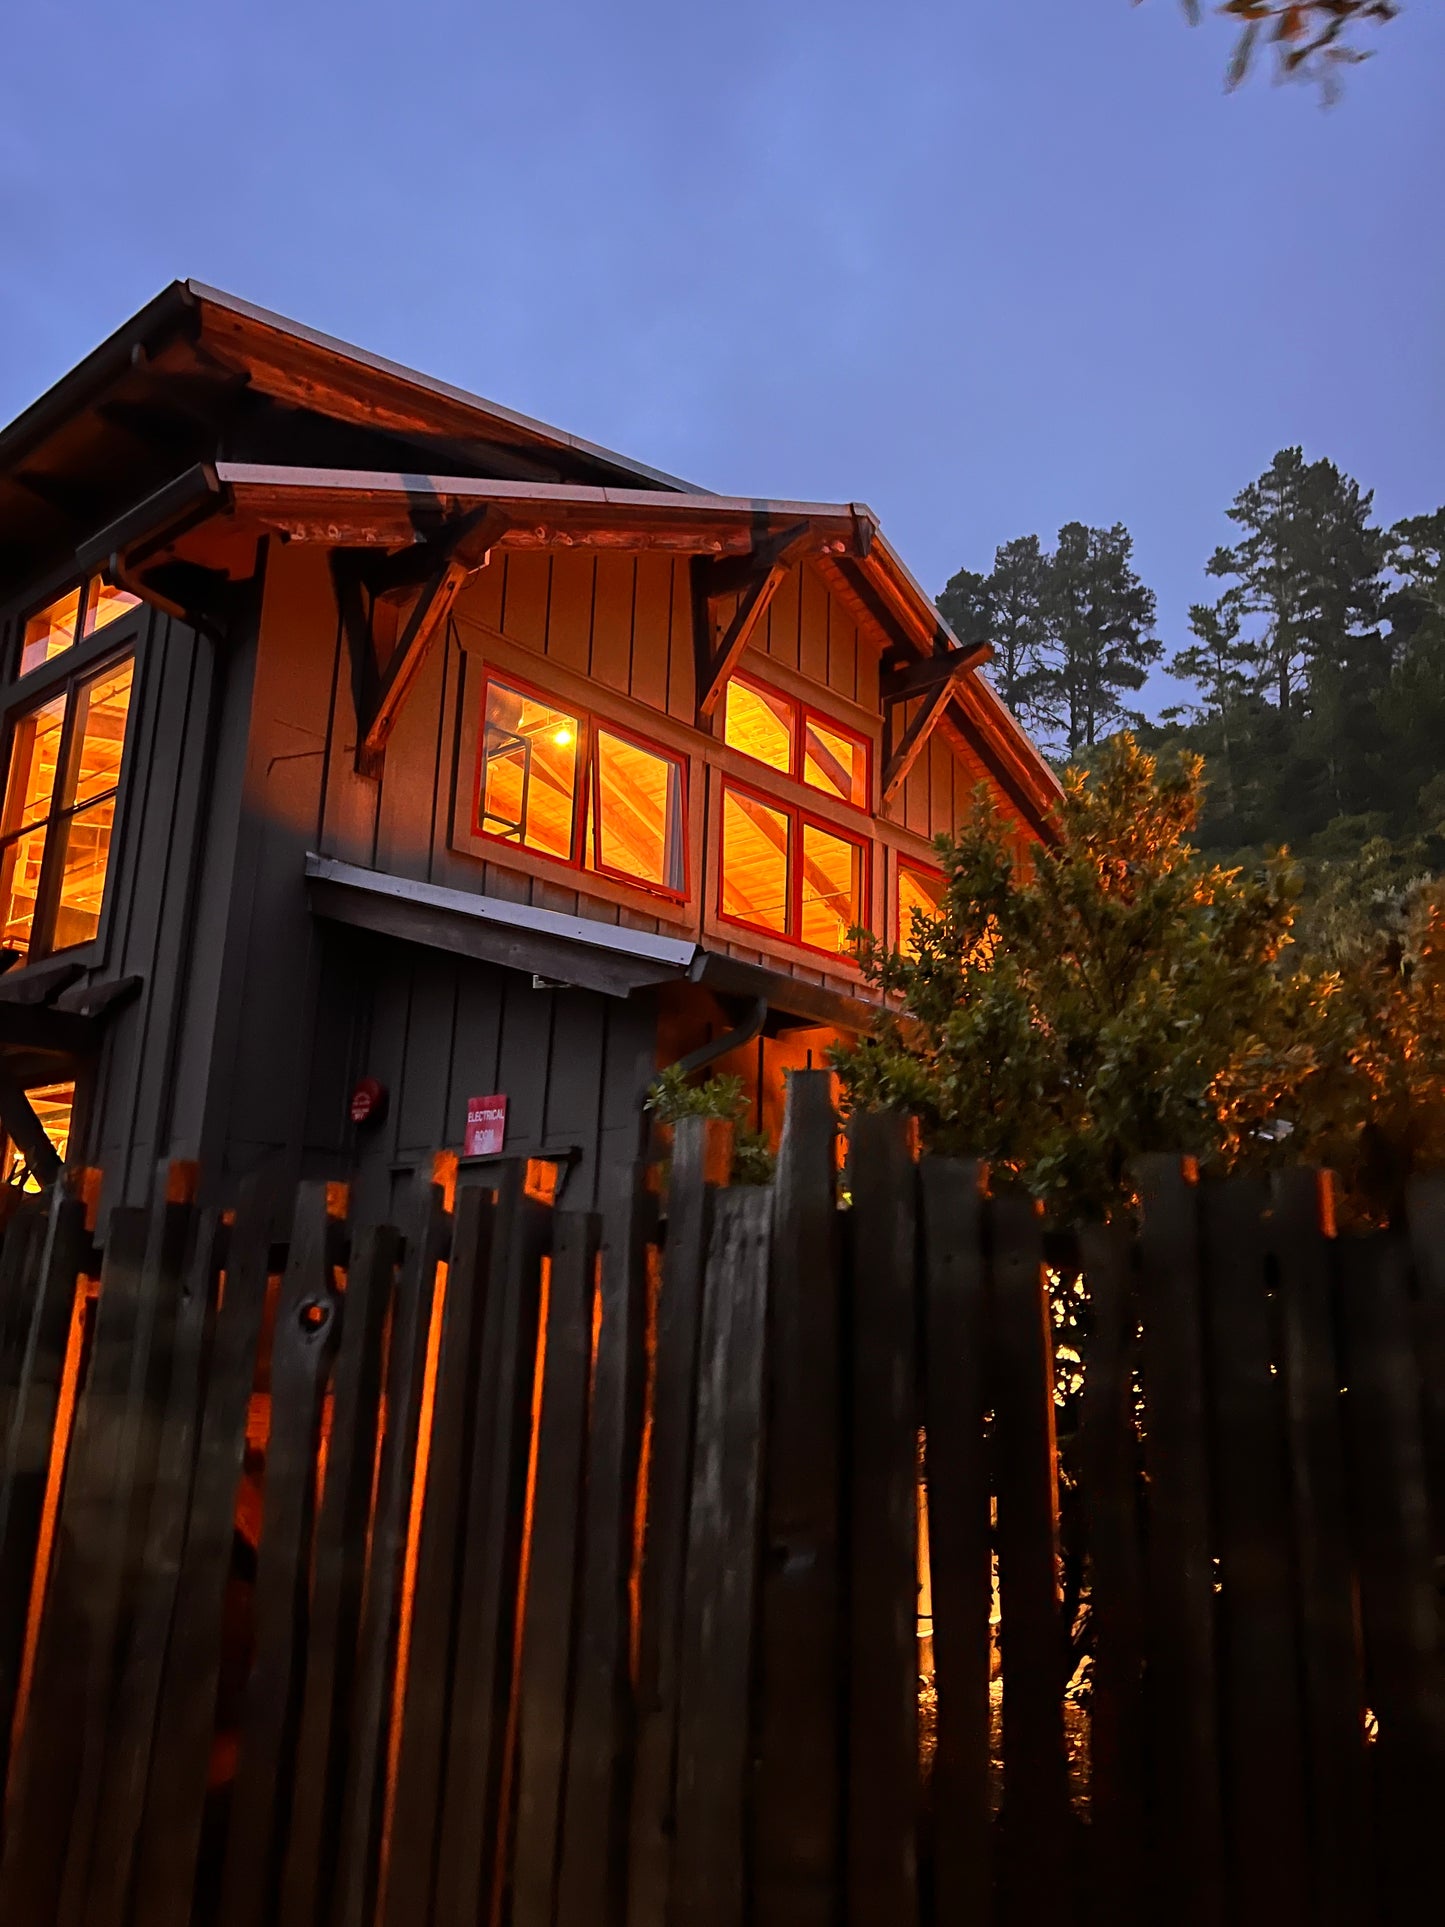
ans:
(782, 872)
(52, 1105)
(795, 740)
(919, 892)
(71, 618)
(65, 752)
(581, 790)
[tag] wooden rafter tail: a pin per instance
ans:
(465, 549)
(936, 681)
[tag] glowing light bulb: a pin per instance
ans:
(562, 737)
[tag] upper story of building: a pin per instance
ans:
(554, 675)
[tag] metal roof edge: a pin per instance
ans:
(676, 952)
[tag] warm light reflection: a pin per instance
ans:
(59, 814)
(920, 894)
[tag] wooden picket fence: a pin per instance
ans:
(509, 1564)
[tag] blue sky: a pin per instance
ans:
(988, 266)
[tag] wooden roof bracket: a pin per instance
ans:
(755, 578)
(441, 565)
(935, 680)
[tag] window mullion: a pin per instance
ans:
(47, 894)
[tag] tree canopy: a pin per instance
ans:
(1118, 993)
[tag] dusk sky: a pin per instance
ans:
(988, 267)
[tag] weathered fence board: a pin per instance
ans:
(556, 1568)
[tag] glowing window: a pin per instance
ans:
(71, 618)
(639, 825)
(920, 894)
(832, 888)
(760, 723)
(755, 867)
(530, 756)
(59, 815)
(796, 741)
(578, 790)
(52, 1105)
(783, 873)
(835, 760)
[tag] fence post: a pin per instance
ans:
(798, 1783)
(701, 1160)
(960, 1538)
(882, 1831)
(1183, 1682)
(1109, 1471)
(715, 1675)
(1031, 1634)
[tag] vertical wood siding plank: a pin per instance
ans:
(368, 1727)
(701, 1156)
(651, 622)
(416, 1806)
(569, 620)
(133, 1716)
(301, 1347)
(30, 1432)
(783, 621)
(1400, 1608)
(592, 1885)
(524, 612)
(681, 668)
(1262, 1747)
(544, 1701)
(1333, 1683)
(175, 1795)
(76, 1631)
(798, 1778)
(882, 1843)
(24, 1235)
(714, 1702)
(339, 1568)
(1184, 1729)
(1031, 1636)
(481, 1685)
(960, 1557)
(612, 621)
(812, 625)
(1109, 1455)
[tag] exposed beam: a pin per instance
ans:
(902, 684)
(26, 1132)
(949, 672)
(755, 578)
(460, 554)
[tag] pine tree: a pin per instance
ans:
(1006, 608)
(1099, 615)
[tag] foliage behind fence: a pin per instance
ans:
(512, 1564)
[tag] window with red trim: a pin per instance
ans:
(788, 874)
(580, 790)
(796, 740)
(920, 894)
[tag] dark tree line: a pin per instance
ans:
(1316, 674)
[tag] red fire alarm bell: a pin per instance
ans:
(368, 1102)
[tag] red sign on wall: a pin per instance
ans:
(486, 1126)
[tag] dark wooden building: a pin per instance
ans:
(367, 737)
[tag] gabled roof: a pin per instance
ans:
(206, 423)
(197, 372)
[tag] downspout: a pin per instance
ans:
(744, 1033)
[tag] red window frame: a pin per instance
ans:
(801, 711)
(927, 870)
(586, 800)
(798, 817)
